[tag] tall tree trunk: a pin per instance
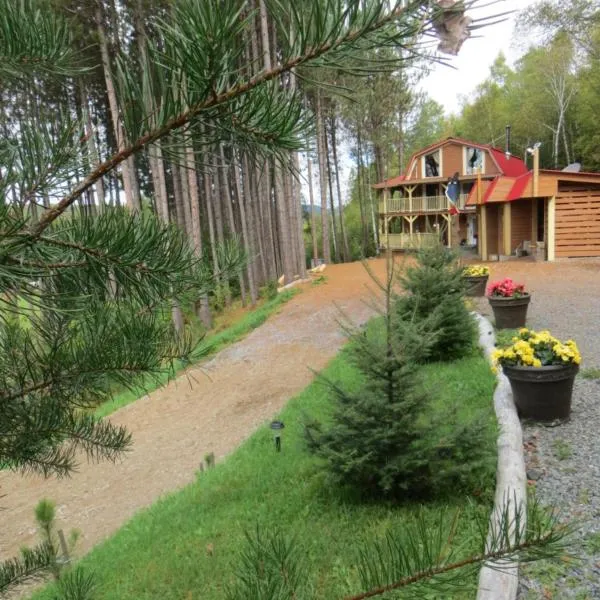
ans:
(208, 184)
(336, 251)
(346, 250)
(226, 194)
(202, 306)
(127, 167)
(245, 237)
(322, 181)
(91, 145)
(313, 218)
(360, 180)
(283, 222)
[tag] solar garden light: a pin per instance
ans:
(277, 426)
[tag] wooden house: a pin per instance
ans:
(505, 208)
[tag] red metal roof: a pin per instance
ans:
(519, 186)
(394, 181)
(490, 189)
(512, 166)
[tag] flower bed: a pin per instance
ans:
(537, 349)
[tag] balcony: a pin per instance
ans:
(420, 204)
(408, 241)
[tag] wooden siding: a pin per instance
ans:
(521, 223)
(492, 229)
(578, 223)
(453, 160)
(490, 165)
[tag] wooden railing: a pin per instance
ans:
(408, 241)
(419, 204)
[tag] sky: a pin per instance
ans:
(445, 85)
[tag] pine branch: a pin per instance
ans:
(32, 564)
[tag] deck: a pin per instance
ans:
(407, 241)
(418, 204)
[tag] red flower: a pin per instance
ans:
(506, 288)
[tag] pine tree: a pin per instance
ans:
(434, 296)
(386, 439)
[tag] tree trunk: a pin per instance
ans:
(202, 306)
(313, 218)
(133, 199)
(91, 145)
(245, 237)
(359, 180)
(346, 250)
(336, 251)
(284, 230)
(226, 193)
(322, 181)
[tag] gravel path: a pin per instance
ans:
(212, 408)
(564, 462)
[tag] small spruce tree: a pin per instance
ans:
(386, 439)
(435, 298)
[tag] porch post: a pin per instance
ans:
(552, 228)
(507, 226)
(534, 222)
(483, 233)
(386, 193)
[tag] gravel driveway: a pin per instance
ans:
(564, 461)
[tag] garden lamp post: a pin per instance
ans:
(277, 426)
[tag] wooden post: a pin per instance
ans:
(386, 193)
(507, 229)
(536, 172)
(534, 222)
(410, 189)
(483, 233)
(552, 228)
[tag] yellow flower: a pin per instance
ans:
(537, 362)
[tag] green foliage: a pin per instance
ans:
(76, 584)
(434, 299)
(269, 290)
(270, 568)
(390, 437)
(166, 546)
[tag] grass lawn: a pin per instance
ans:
(229, 328)
(183, 547)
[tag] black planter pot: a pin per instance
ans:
(543, 393)
(510, 313)
(475, 286)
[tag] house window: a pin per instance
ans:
(474, 159)
(432, 164)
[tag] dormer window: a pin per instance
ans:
(432, 164)
(474, 159)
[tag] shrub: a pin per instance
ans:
(435, 298)
(387, 440)
(269, 290)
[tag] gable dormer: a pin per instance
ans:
(444, 159)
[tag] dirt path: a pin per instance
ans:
(212, 410)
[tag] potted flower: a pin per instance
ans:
(541, 370)
(509, 301)
(475, 278)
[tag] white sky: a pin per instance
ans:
(445, 85)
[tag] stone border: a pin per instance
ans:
(511, 480)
